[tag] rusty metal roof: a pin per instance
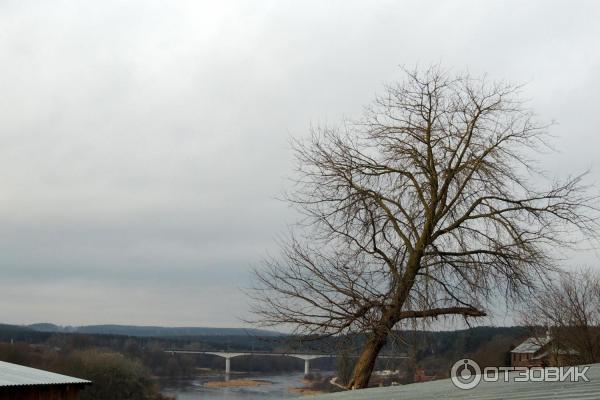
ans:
(19, 375)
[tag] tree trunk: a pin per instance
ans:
(366, 361)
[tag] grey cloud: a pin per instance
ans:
(142, 143)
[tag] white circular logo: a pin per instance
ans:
(465, 374)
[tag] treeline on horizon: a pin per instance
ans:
(434, 351)
(150, 331)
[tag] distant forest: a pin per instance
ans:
(432, 351)
(150, 331)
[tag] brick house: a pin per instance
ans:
(533, 352)
(540, 352)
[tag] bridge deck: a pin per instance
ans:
(226, 353)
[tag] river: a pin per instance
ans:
(194, 389)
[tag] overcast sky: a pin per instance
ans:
(142, 143)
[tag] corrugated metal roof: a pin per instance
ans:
(18, 375)
(531, 345)
(444, 389)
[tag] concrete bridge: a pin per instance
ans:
(229, 355)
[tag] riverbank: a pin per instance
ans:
(307, 391)
(278, 387)
(237, 383)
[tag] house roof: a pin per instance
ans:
(444, 389)
(18, 375)
(531, 345)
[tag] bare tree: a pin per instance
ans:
(569, 308)
(426, 207)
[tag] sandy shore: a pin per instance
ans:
(236, 383)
